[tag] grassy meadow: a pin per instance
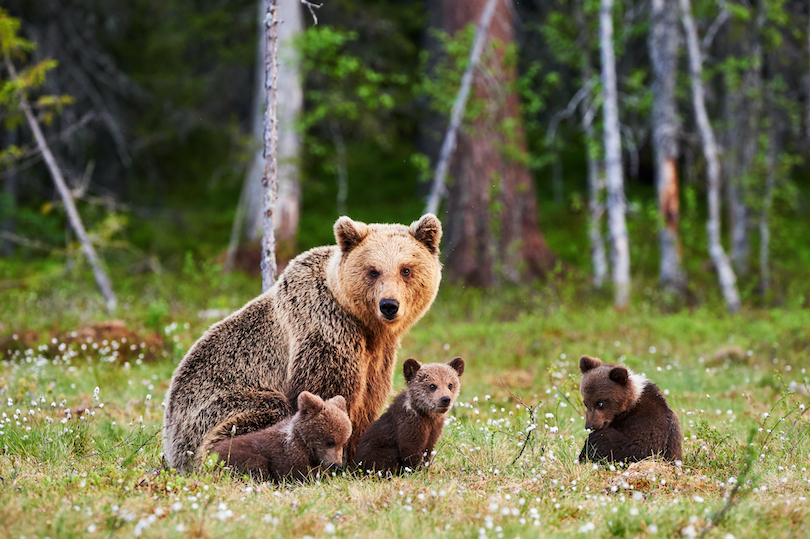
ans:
(80, 440)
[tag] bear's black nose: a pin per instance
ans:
(389, 308)
(445, 401)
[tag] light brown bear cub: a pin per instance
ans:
(405, 435)
(628, 416)
(310, 440)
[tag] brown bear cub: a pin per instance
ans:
(405, 435)
(312, 439)
(628, 416)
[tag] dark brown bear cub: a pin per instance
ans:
(628, 416)
(311, 439)
(405, 435)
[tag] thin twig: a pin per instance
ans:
(312, 6)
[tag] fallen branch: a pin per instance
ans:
(438, 188)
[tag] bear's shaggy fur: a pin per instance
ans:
(406, 433)
(331, 325)
(312, 439)
(629, 417)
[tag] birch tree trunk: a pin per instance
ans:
(728, 281)
(70, 208)
(663, 47)
(270, 179)
(613, 160)
(767, 201)
(290, 103)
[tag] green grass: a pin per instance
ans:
(99, 473)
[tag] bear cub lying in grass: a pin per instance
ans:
(628, 416)
(405, 435)
(292, 449)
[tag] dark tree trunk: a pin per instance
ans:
(9, 201)
(492, 209)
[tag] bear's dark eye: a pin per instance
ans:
(600, 404)
(330, 443)
(373, 273)
(405, 272)
(433, 387)
(450, 387)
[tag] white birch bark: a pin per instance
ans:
(270, 179)
(73, 215)
(663, 47)
(290, 99)
(437, 189)
(728, 281)
(613, 160)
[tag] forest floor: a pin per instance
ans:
(80, 439)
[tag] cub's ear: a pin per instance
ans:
(458, 365)
(309, 404)
(428, 231)
(620, 375)
(587, 363)
(340, 402)
(349, 233)
(410, 368)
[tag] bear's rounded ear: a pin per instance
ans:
(620, 375)
(458, 365)
(340, 402)
(309, 404)
(410, 368)
(428, 231)
(587, 363)
(349, 233)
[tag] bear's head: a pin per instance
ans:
(607, 391)
(432, 388)
(323, 426)
(386, 275)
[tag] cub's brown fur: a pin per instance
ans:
(310, 440)
(331, 325)
(630, 418)
(406, 433)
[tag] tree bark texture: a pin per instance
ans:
(290, 99)
(725, 273)
(492, 227)
(70, 208)
(663, 46)
(437, 188)
(613, 160)
(270, 179)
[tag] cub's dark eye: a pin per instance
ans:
(433, 387)
(373, 273)
(330, 444)
(405, 272)
(600, 404)
(450, 387)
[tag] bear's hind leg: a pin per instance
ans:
(245, 411)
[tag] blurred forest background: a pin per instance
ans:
(153, 113)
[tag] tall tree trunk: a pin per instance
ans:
(728, 281)
(10, 198)
(493, 230)
(73, 215)
(290, 103)
(663, 47)
(270, 179)
(596, 166)
(613, 160)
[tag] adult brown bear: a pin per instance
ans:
(330, 325)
